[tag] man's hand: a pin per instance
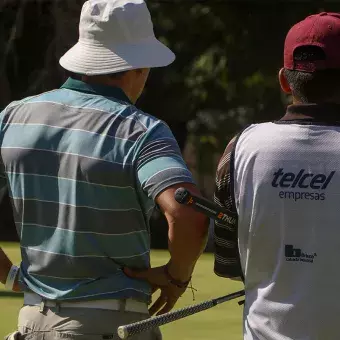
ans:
(158, 279)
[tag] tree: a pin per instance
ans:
(224, 77)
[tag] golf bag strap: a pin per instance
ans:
(227, 258)
(232, 189)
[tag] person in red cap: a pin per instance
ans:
(280, 181)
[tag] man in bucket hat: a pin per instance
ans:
(85, 168)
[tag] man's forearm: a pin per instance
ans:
(187, 241)
(188, 230)
(5, 266)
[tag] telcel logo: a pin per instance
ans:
(302, 180)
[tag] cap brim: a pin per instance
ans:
(94, 59)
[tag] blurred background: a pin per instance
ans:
(225, 77)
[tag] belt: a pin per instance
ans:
(128, 305)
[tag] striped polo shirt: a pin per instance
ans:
(83, 167)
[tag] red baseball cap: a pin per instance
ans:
(322, 30)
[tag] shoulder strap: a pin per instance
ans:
(232, 178)
(232, 170)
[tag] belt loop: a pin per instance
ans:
(122, 305)
(42, 305)
(57, 307)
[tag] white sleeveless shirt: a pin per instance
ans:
(287, 195)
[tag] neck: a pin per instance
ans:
(329, 111)
(329, 101)
(104, 80)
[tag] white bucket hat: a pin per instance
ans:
(115, 36)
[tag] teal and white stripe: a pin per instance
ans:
(83, 167)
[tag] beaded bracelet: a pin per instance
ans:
(177, 283)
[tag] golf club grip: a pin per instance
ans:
(217, 213)
(126, 331)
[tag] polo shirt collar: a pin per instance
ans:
(98, 89)
(321, 112)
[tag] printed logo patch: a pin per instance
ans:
(297, 255)
(314, 184)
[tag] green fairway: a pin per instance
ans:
(220, 322)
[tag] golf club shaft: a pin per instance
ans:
(127, 331)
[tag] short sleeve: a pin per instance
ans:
(159, 161)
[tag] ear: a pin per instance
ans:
(284, 83)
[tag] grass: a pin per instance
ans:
(223, 321)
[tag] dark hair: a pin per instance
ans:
(317, 87)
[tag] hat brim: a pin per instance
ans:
(94, 59)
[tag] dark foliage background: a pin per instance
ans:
(225, 74)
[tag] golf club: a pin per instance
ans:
(126, 331)
(183, 196)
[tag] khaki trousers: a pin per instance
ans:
(77, 324)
